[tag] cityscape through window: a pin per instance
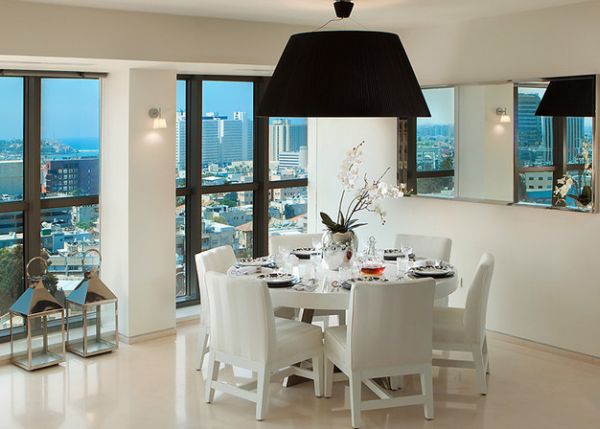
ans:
(239, 178)
(61, 208)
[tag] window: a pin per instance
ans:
(433, 154)
(547, 148)
(49, 180)
(244, 177)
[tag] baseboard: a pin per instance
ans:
(534, 345)
(146, 337)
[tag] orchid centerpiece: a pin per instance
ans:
(366, 197)
(577, 187)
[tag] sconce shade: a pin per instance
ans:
(573, 96)
(344, 74)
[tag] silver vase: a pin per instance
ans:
(338, 248)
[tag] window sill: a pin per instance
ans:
(182, 316)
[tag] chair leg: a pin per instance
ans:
(263, 377)
(355, 387)
(213, 375)
(397, 382)
(202, 347)
(328, 378)
(486, 356)
(427, 390)
(480, 369)
(317, 363)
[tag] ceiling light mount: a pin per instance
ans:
(343, 8)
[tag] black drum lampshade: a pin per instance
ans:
(344, 74)
(572, 96)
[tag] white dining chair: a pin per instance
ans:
(426, 246)
(244, 333)
(295, 241)
(388, 334)
(463, 329)
(219, 259)
(291, 241)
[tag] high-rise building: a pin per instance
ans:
(72, 176)
(530, 138)
(573, 138)
(180, 140)
(279, 138)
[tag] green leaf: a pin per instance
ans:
(356, 226)
(341, 218)
(327, 221)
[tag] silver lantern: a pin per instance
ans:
(37, 320)
(92, 320)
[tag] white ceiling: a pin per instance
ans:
(374, 14)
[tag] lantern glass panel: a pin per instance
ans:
(40, 342)
(47, 341)
(98, 326)
(18, 337)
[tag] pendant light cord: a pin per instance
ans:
(340, 19)
(327, 23)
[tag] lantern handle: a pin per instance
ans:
(34, 259)
(89, 252)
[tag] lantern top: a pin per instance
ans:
(91, 290)
(36, 299)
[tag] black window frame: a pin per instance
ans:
(260, 186)
(33, 204)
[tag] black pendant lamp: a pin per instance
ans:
(344, 74)
(569, 96)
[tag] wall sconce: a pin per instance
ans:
(159, 121)
(502, 112)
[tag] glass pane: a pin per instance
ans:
(288, 148)
(70, 137)
(68, 232)
(436, 186)
(435, 135)
(227, 132)
(534, 133)
(580, 134)
(11, 138)
(180, 251)
(11, 264)
(287, 211)
(535, 187)
(181, 134)
(227, 219)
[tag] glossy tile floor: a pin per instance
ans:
(154, 385)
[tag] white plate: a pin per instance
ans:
(250, 270)
(277, 278)
(391, 254)
(305, 252)
(256, 262)
(428, 268)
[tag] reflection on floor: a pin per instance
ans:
(154, 385)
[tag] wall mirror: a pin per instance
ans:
(523, 142)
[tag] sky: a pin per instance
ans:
(70, 108)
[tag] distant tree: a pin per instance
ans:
(447, 164)
(11, 276)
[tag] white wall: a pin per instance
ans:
(59, 31)
(137, 199)
(484, 145)
(545, 287)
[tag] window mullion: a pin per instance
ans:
(32, 162)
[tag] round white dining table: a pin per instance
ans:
(327, 297)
